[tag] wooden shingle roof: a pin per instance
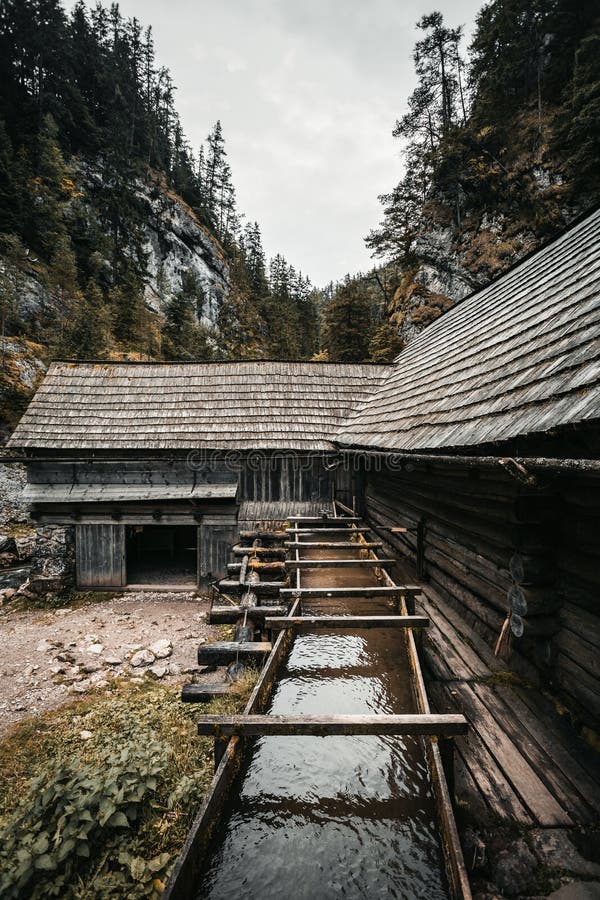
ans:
(521, 356)
(242, 405)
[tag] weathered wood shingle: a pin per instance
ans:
(243, 405)
(520, 357)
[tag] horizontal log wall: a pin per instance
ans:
(481, 529)
(578, 641)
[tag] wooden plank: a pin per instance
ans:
(336, 563)
(576, 758)
(221, 653)
(315, 520)
(350, 591)
(327, 530)
(228, 615)
(261, 588)
(296, 545)
(204, 693)
(502, 703)
(493, 784)
(536, 797)
(406, 724)
(348, 622)
(260, 552)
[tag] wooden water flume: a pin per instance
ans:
(285, 620)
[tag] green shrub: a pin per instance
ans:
(76, 813)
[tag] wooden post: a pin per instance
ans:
(219, 750)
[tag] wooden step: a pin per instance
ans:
(300, 622)
(262, 535)
(261, 588)
(260, 552)
(221, 653)
(228, 615)
(204, 693)
(405, 724)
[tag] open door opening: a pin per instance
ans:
(162, 555)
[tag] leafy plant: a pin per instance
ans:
(70, 812)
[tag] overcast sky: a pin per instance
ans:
(308, 92)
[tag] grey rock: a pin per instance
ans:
(514, 869)
(45, 646)
(158, 670)
(85, 735)
(174, 668)
(25, 546)
(91, 667)
(162, 648)
(96, 648)
(577, 890)
(142, 658)
(555, 850)
(112, 660)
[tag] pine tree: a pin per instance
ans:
(348, 324)
(86, 334)
(184, 337)
(386, 344)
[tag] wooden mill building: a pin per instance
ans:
(482, 440)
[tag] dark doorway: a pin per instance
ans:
(162, 555)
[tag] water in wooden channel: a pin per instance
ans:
(315, 818)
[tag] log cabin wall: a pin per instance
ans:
(578, 562)
(492, 547)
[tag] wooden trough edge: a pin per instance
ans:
(276, 623)
(432, 724)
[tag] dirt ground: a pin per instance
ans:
(50, 656)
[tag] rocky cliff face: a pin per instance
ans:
(450, 264)
(174, 242)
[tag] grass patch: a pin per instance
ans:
(106, 816)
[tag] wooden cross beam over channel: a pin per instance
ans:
(431, 724)
(394, 591)
(277, 623)
(337, 563)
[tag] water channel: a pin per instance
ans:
(325, 817)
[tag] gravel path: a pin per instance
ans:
(50, 656)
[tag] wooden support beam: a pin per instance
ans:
(378, 591)
(262, 535)
(327, 530)
(315, 520)
(261, 588)
(204, 693)
(259, 552)
(405, 724)
(221, 653)
(296, 545)
(347, 622)
(336, 563)
(228, 615)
